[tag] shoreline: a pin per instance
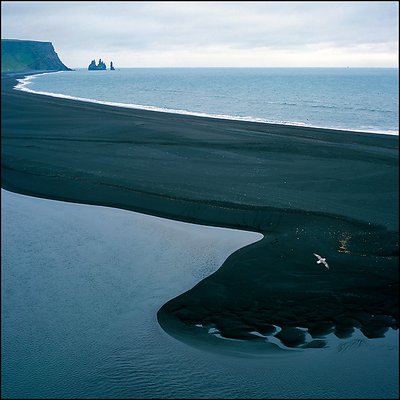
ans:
(25, 82)
(101, 335)
(305, 189)
(299, 135)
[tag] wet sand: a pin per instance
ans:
(306, 190)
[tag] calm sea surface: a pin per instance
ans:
(358, 99)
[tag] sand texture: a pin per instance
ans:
(306, 190)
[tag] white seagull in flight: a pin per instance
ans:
(321, 260)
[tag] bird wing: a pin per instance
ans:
(318, 256)
(326, 264)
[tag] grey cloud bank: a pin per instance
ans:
(211, 33)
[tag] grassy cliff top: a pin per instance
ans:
(26, 55)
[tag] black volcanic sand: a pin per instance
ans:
(307, 190)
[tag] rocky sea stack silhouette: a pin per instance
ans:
(99, 67)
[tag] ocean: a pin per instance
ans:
(355, 99)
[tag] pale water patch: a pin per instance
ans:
(81, 286)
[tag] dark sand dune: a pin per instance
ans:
(307, 190)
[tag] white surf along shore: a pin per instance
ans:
(25, 82)
(81, 287)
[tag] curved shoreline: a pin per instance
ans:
(26, 81)
(102, 336)
(345, 143)
(62, 264)
(306, 189)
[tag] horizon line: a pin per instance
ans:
(341, 67)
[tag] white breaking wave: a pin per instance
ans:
(24, 82)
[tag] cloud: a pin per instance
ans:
(144, 28)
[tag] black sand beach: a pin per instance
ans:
(307, 190)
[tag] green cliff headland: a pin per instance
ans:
(28, 55)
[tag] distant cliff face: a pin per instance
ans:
(28, 55)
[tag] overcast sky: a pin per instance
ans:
(206, 34)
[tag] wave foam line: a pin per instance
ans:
(24, 82)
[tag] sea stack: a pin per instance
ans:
(112, 66)
(93, 67)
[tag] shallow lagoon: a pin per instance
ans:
(81, 286)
